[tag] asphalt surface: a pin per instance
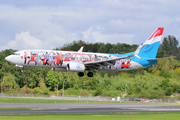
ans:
(84, 108)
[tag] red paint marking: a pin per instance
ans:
(158, 32)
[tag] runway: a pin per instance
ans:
(85, 108)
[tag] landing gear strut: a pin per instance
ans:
(80, 74)
(22, 69)
(90, 74)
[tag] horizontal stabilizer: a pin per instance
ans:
(160, 58)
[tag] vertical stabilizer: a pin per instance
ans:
(138, 49)
(151, 45)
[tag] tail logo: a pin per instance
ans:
(157, 33)
(150, 47)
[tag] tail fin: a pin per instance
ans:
(150, 47)
(138, 49)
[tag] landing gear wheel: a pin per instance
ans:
(90, 74)
(80, 74)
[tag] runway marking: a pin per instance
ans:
(51, 109)
(37, 109)
(155, 109)
(63, 108)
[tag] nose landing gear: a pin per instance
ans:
(20, 67)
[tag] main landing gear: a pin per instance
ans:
(80, 74)
(89, 74)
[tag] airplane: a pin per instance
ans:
(73, 61)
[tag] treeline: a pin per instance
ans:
(159, 80)
(119, 48)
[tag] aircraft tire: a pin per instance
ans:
(90, 74)
(80, 74)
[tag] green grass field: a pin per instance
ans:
(34, 100)
(110, 116)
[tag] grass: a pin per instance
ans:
(96, 116)
(34, 100)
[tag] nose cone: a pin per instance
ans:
(8, 58)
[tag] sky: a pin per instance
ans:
(47, 24)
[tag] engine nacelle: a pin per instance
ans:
(60, 69)
(75, 67)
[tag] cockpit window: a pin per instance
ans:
(16, 54)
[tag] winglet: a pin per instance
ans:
(81, 49)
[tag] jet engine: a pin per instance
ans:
(75, 67)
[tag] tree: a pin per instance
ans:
(169, 43)
(10, 82)
(102, 48)
(169, 91)
(44, 89)
(5, 53)
(34, 81)
(52, 79)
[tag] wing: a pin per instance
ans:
(103, 63)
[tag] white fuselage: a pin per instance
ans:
(60, 59)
